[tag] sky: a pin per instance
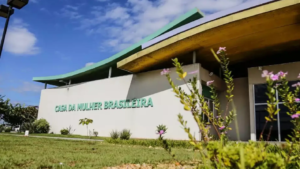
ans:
(52, 37)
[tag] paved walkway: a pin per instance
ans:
(62, 138)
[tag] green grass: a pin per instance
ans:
(141, 142)
(28, 152)
(59, 135)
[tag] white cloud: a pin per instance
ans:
(127, 23)
(70, 12)
(19, 40)
(89, 64)
(29, 87)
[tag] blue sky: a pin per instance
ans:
(51, 37)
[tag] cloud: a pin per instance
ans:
(70, 12)
(19, 40)
(28, 87)
(124, 24)
(102, 0)
(89, 64)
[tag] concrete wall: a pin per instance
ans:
(241, 102)
(254, 77)
(141, 121)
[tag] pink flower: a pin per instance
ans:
(297, 100)
(193, 72)
(274, 77)
(209, 83)
(296, 84)
(221, 49)
(282, 74)
(221, 128)
(295, 116)
(161, 132)
(165, 71)
(265, 73)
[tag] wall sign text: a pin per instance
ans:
(118, 104)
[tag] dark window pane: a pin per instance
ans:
(260, 113)
(260, 93)
(285, 123)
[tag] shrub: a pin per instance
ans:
(125, 134)
(1, 128)
(42, 126)
(7, 129)
(29, 126)
(64, 131)
(114, 134)
(96, 133)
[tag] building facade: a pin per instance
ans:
(126, 90)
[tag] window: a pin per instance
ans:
(210, 104)
(282, 127)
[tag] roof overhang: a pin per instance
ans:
(100, 69)
(273, 26)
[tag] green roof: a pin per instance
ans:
(100, 69)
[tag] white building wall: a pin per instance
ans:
(142, 122)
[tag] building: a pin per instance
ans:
(127, 91)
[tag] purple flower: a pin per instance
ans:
(282, 74)
(161, 132)
(265, 73)
(274, 77)
(165, 71)
(295, 116)
(296, 84)
(209, 83)
(221, 49)
(221, 128)
(193, 72)
(297, 99)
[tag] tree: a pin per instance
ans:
(86, 122)
(16, 114)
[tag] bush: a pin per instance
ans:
(114, 134)
(1, 128)
(29, 126)
(7, 129)
(96, 133)
(42, 126)
(64, 131)
(125, 134)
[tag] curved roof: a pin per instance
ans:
(112, 61)
(251, 32)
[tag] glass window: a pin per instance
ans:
(260, 93)
(260, 114)
(286, 125)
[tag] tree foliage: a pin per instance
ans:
(16, 114)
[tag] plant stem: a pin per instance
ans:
(260, 136)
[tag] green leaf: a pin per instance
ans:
(267, 118)
(187, 108)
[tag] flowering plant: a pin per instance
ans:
(226, 154)
(196, 104)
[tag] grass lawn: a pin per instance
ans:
(59, 135)
(28, 152)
